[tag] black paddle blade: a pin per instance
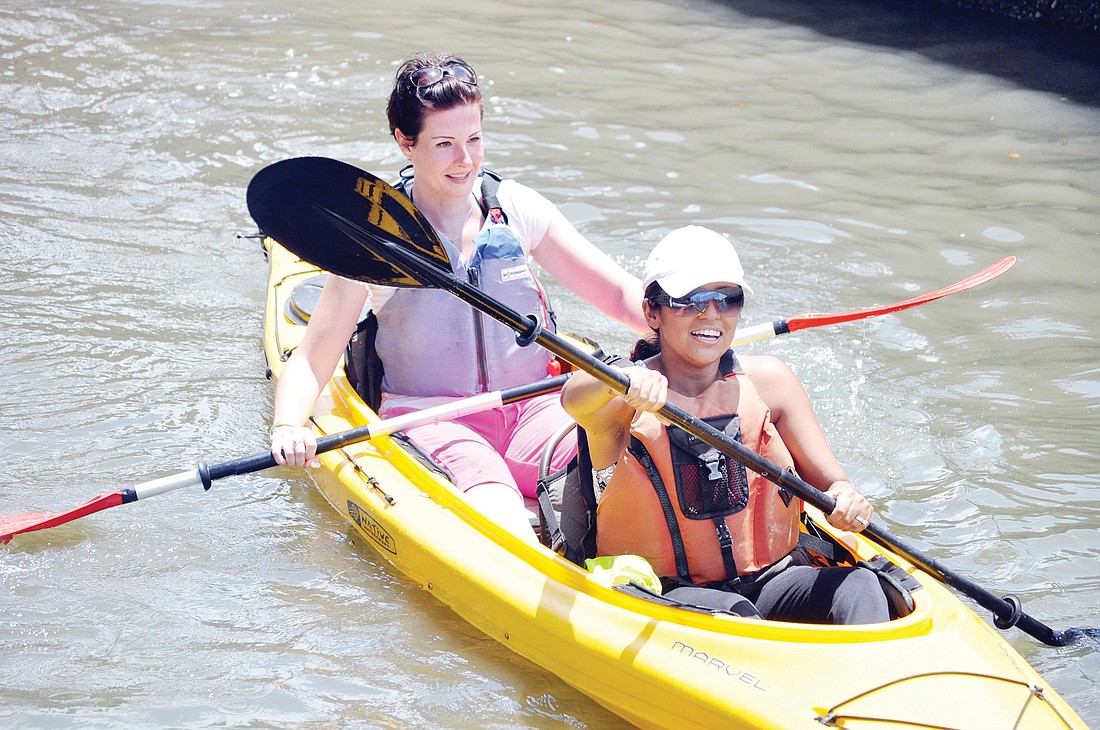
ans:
(1070, 635)
(290, 200)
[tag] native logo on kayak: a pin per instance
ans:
(370, 528)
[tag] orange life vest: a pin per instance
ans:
(751, 525)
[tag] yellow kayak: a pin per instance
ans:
(655, 665)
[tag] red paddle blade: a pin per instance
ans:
(805, 321)
(12, 525)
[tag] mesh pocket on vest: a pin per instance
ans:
(709, 484)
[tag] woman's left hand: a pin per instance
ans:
(852, 512)
(294, 445)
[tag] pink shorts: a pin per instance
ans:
(503, 445)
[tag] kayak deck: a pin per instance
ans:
(655, 665)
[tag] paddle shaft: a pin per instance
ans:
(435, 414)
(1007, 610)
(11, 525)
(205, 475)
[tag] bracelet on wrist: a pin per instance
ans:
(272, 427)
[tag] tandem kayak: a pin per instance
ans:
(655, 665)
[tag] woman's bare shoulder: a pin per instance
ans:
(765, 367)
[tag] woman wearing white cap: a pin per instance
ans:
(699, 518)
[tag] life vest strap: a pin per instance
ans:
(639, 451)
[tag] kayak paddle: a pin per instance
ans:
(15, 524)
(347, 221)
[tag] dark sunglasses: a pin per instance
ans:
(422, 78)
(725, 301)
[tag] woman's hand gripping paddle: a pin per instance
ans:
(333, 214)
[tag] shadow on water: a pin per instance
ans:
(1033, 55)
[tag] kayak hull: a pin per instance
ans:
(654, 665)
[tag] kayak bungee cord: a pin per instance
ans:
(835, 716)
(312, 205)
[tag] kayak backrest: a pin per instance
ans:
(567, 501)
(364, 367)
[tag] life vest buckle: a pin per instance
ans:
(715, 464)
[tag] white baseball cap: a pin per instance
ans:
(691, 257)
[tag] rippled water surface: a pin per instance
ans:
(861, 156)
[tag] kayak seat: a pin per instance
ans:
(567, 500)
(361, 361)
(532, 506)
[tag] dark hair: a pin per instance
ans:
(407, 104)
(649, 345)
(653, 291)
(646, 347)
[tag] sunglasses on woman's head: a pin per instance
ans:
(725, 300)
(422, 78)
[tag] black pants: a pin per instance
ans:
(823, 596)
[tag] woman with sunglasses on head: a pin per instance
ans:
(699, 517)
(432, 345)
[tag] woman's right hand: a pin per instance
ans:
(648, 389)
(294, 445)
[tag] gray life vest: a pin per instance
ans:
(434, 344)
